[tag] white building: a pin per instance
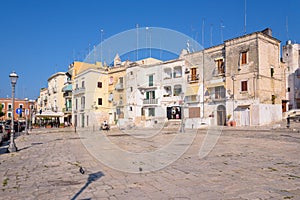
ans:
(153, 90)
(291, 57)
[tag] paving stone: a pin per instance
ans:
(247, 163)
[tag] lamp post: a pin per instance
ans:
(13, 78)
(26, 113)
(182, 113)
(233, 79)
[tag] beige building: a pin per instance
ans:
(42, 100)
(116, 90)
(98, 93)
(55, 95)
(51, 99)
(243, 81)
(255, 77)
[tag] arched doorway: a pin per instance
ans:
(221, 115)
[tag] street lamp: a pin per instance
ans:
(26, 113)
(182, 112)
(13, 78)
(233, 79)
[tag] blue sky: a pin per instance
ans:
(41, 37)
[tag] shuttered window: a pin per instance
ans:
(244, 85)
(244, 58)
(194, 112)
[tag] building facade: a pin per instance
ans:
(26, 105)
(241, 82)
(291, 58)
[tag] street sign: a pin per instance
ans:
(19, 111)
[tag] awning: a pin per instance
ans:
(68, 115)
(244, 105)
(49, 113)
(192, 90)
(217, 84)
(67, 88)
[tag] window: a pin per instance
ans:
(99, 84)
(76, 104)
(82, 102)
(244, 58)
(121, 80)
(21, 106)
(219, 92)
(3, 106)
(131, 72)
(272, 72)
(168, 91)
(220, 66)
(82, 84)
(288, 89)
(76, 86)
(177, 72)
(111, 80)
(168, 73)
(9, 114)
(151, 112)
(99, 101)
(177, 90)
(131, 89)
(150, 95)
(273, 99)
(193, 74)
(150, 80)
(9, 107)
(130, 108)
(244, 85)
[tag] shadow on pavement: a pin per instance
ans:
(92, 177)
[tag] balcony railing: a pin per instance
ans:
(119, 86)
(191, 99)
(193, 79)
(67, 109)
(54, 89)
(67, 95)
(79, 91)
(150, 101)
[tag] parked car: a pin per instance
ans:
(18, 126)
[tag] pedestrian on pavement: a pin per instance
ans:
(288, 121)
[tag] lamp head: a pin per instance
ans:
(13, 77)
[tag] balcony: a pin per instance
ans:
(193, 78)
(78, 91)
(150, 101)
(119, 86)
(54, 89)
(67, 110)
(120, 103)
(54, 109)
(67, 95)
(191, 99)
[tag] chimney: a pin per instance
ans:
(267, 31)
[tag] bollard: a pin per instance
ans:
(288, 121)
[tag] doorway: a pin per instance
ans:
(221, 115)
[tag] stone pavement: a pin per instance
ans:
(244, 164)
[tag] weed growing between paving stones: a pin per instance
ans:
(5, 182)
